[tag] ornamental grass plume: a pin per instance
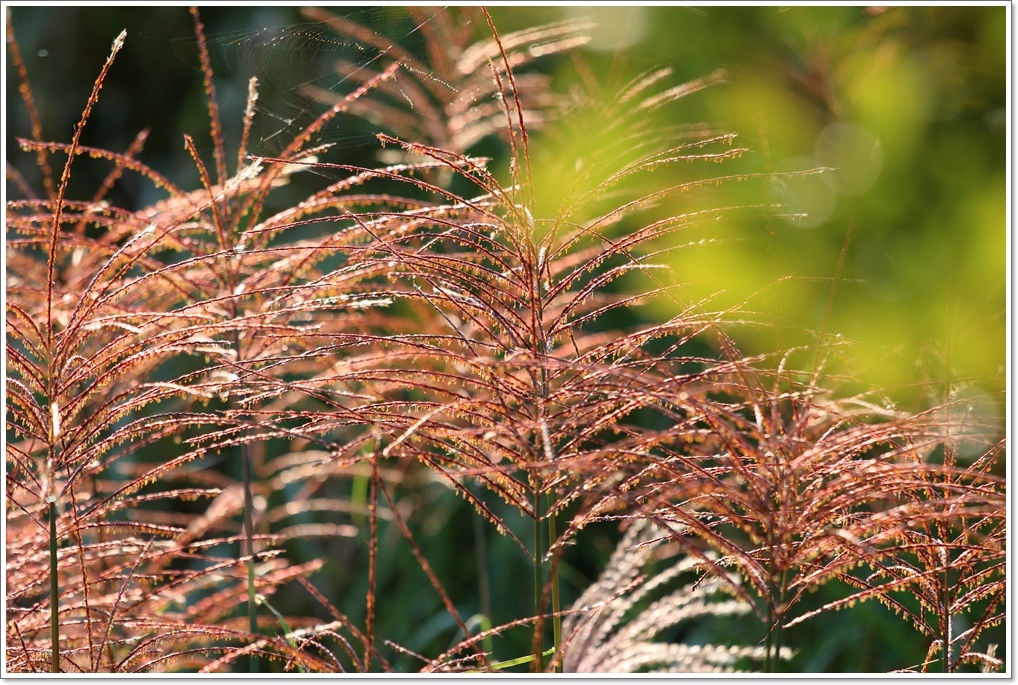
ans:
(236, 413)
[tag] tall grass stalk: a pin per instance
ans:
(54, 588)
(537, 665)
(249, 551)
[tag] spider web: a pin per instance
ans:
(293, 62)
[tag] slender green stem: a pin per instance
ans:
(369, 599)
(538, 663)
(287, 630)
(946, 635)
(769, 640)
(778, 592)
(54, 590)
(769, 665)
(779, 621)
(556, 606)
(483, 578)
(252, 599)
(515, 662)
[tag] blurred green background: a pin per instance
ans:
(907, 104)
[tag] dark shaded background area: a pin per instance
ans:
(921, 197)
